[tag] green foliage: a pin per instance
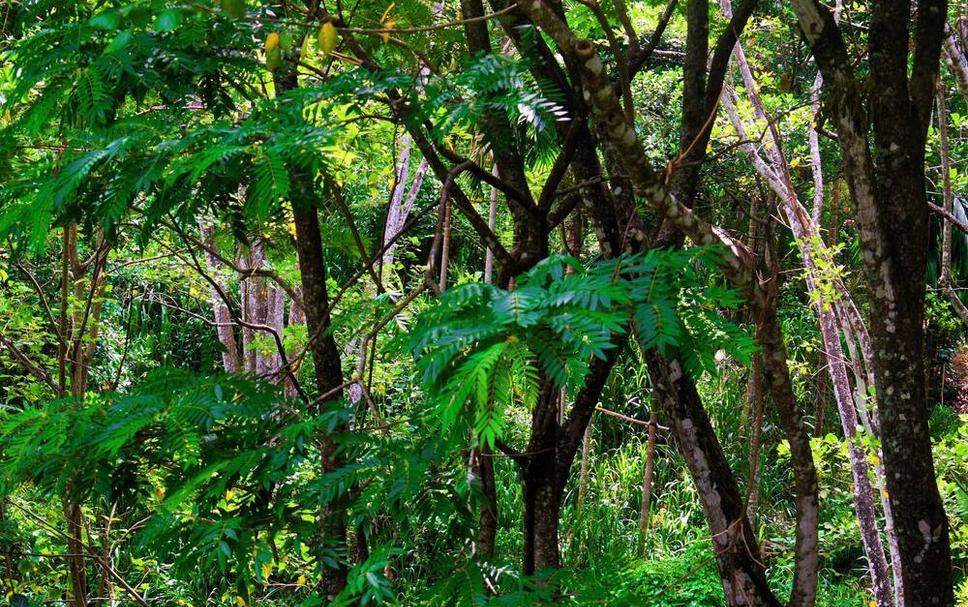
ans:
(202, 454)
(484, 345)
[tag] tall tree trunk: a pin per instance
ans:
(954, 56)
(586, 448)
(276, 320)
(491, 223)
(76, 564)
(610, 117)
(888, 189)
(328, 375)
(756, 407)
(735, 545)
(327, 363)
(488, 522)
(296, 318)
(776, 172)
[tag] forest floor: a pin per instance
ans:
(957, 381)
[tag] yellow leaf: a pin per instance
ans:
(794, 163)
(328, 38)
(875, 460)
(272, 41)
(240, 601)
(228, 494)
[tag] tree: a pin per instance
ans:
(887, 185)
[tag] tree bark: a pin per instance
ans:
(327, 362)
(737, 552)
(610, 117)
(804, 229)
(328, 375)
(223, 318)
(954, 56)
(647, 474)
(888, 189)
(949, 199)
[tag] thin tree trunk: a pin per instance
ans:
(945, 281)
(586, 447)
(488, 522)
(75, 354)
(76, 566)
(816, 162)
(737, 552)
(327, 363)
(223, 318)
(491, 223)
(329, 379)
(445, 247)
(821, 414)
(296, 318)
(275, 318)
(487, 532)
(647, 474)
(757, 406)
(257, 306)
(395, 217)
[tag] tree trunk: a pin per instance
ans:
(737, 553)
(756, 406)
(487, 532)
(296, 318)
(776, 172)
(491, 223)
(329, 379)
(954, 56)
(224, 327)
(888, 189)
(945, 280)
(586, 447)
(327, 363)
(647, 482)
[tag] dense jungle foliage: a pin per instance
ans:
(483, 303)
